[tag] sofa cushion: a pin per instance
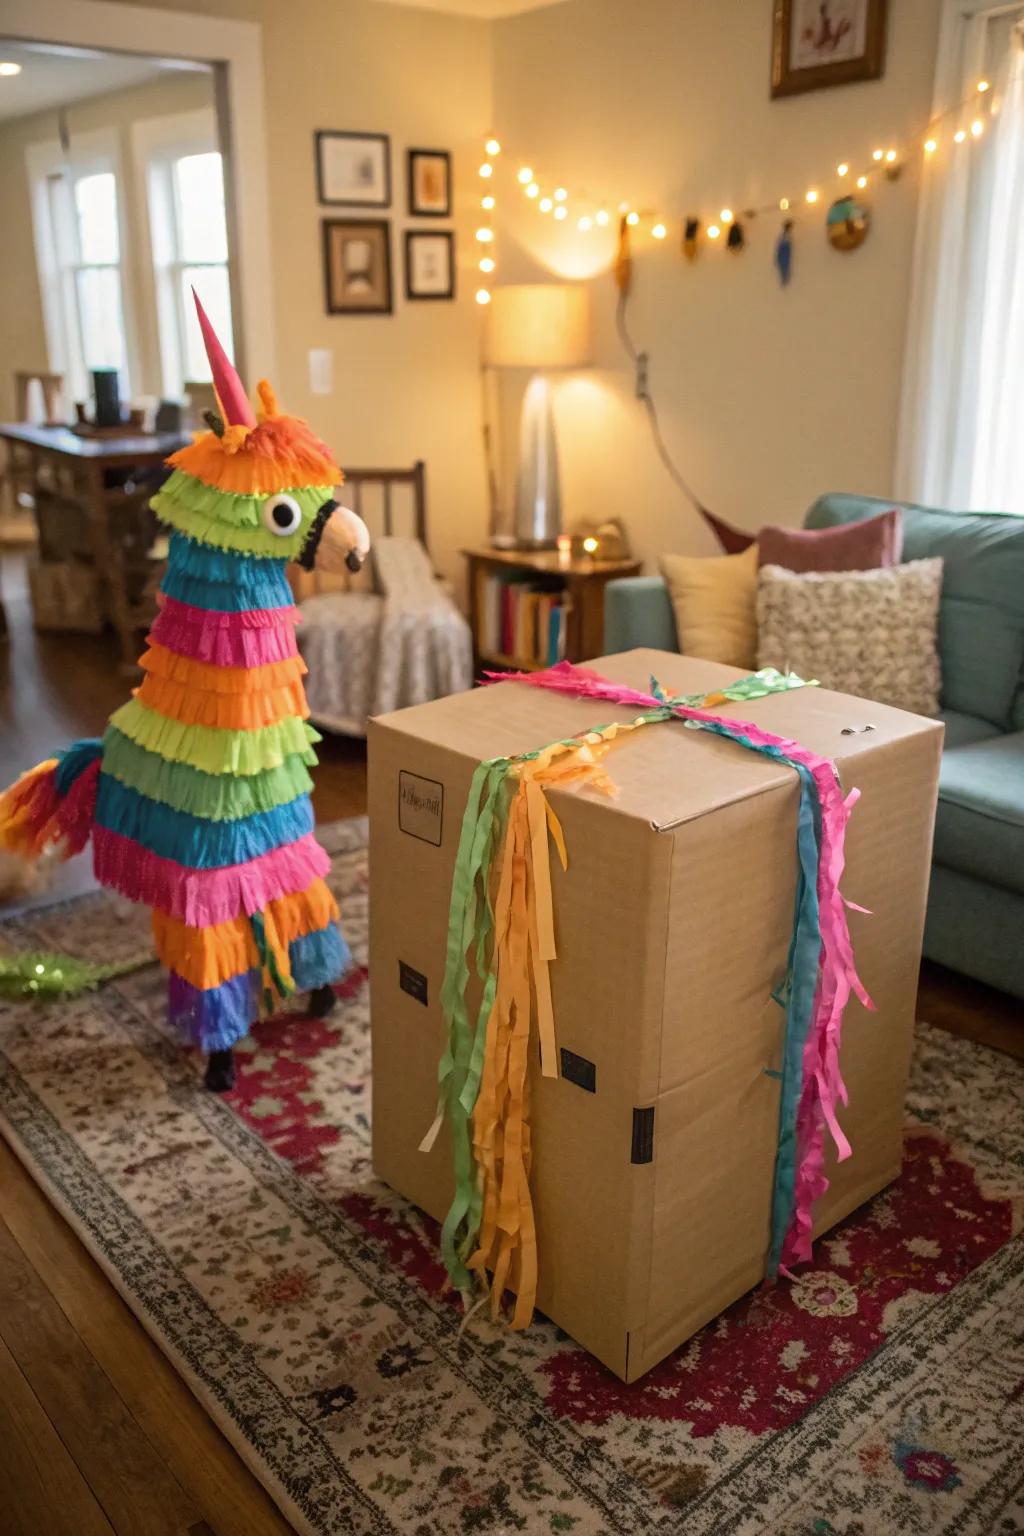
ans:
(979, 828)
(715, 603)
(981, 624)
(962, 730)
(866, 545)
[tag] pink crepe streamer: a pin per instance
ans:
(200, 897)
(822, 1086)
(221, 645)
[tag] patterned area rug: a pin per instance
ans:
(304, 1302)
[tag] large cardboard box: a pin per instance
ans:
(653, 1161)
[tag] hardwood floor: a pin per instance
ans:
(97, 1432)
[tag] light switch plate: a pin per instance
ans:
(321, 370)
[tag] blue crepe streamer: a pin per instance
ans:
(223, 582)
(194, 841)
(74, 760)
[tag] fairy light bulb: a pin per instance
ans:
(862, 182)
(713, 231)
(877, 154)
(483, 296)
(533, 190)
(959, 136)
(632, 218)
(525, 175)
(842, 169)
(930, 146)
(487, 169)
(487, 264)
(812, 196)
(977, 128)
(560, 194)
(659, 231)
(585, 223)
(493, 147)
(601, 216)
(890, 156)
(726, 215)
(983, 86)
(484, 234)
(560, 211)
(487, 202)
(784, 204)
(623, 207)
(546, 205)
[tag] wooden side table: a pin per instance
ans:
(577, 586)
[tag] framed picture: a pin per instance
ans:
(429, 264)
(430, 183)
(817, 43)
(357, 266)
(353, 168)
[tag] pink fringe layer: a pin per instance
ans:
(200, 897)
(252, 638)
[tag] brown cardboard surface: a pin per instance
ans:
(673, 924)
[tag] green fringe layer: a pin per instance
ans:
(216, 751)
(228, 521)
(215, 796)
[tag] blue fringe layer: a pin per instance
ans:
(215, 1019)
(224, 582)
(194, 841)
(74, 760)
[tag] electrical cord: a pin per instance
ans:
(643, 394)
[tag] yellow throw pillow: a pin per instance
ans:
(715, 603)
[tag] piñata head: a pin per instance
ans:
(259, 486)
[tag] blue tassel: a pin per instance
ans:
(193, 841)
(319, 958)
(74, 760)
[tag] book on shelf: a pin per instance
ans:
(521, 618)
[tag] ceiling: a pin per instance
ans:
(52, 77)
(485, 10)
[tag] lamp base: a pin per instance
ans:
(538, 494)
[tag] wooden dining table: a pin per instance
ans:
(98, 474)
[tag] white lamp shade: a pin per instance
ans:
(538, 325)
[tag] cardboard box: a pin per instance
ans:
(654, 1151)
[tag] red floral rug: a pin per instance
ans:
(305, 1304)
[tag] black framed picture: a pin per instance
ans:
(357, 266)
(429, 264)
(353, 168)
(430, 183)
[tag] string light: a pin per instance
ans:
(486, 169)
(726, 215)
(525, 175)
(560, 211)
(484, 235)
(877, 154)
(784, 204)
(632, 218)
(493, 147)
(487, 264)
(959, 136)
(812, 196)
(546, 205)
(890, 155)
(560, 194)
(601, 216)
(533, 190)
(862, 182)
(713, 231)
(487, 202)
(623, 207)
(842, 169)
(930, 146)
(659, 231)
(483, 296)
(977, 127)
(585, 223)
(983, 86)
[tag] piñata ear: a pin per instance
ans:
(233, 399)
(268, 400)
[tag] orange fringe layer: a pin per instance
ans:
(205, 957)
(206, 677)
(28, 809)
(280, 453)
(224, 711)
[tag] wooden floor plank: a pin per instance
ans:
(229, 1497)
(42, 1492)
(137, 1492)
(971, 1009)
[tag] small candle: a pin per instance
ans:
(564, 551)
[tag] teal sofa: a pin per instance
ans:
(976, 903)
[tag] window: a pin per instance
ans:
(78, 243)
(188, 234)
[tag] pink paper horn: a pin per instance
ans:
(234, 401)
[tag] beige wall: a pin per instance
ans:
(767, 396)
(22, 332)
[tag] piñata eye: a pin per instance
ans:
(282, 515)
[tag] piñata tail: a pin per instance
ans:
(197, 796)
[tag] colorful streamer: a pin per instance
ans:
(483, 1077)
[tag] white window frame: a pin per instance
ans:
(94, 152)
(157, 143)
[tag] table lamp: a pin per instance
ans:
(543, 326)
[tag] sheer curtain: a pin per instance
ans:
(961, 442)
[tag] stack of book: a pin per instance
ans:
(522, 618)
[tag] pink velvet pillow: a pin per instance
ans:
(875, 543)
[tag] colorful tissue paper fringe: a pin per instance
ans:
(488, 1240)
(197, 797)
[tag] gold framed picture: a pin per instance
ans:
(357, 266)
(818, 43)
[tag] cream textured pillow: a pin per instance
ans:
(715, 602)
(870, 633)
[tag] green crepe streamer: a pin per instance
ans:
(43, 978)
(233, 522)
(217, 797)
(213, 750)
